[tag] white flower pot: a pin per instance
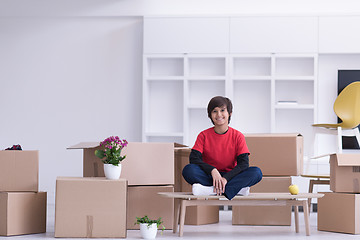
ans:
(148, 232)
(112, 172)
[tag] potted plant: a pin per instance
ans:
(111, 156)
(148, 227)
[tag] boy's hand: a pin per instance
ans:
(218, 182)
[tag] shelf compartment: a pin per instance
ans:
(164, 134)
(165, 67)
(299, 91)
(253, 78)
(197, 106)
(171, 139)
(252, 66)
(214, 66)
(207, 78)
(165, 97)
(252, 106)
(201, 91)
(294, 106)
(295, 78)
(295, 66)
(165, 78)
(198, 121)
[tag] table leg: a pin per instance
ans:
(176, 215)
(306, 217)
(311, 189)
(182, 217)
(296, 213)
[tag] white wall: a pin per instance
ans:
(69, 80)
(78, 77)
(166, 7)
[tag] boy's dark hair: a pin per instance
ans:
(219, 101)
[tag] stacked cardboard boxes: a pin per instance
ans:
(279, 156)
(339, 211)
(22, 207)
(148, 169)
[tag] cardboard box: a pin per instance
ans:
(265, 215)
(181, 156)
(145, 200)
(200, 215)
(19, 171)
(145, 163)
(90, 207)
(276, 154)
(345, 173)
(195, 215)
(339, 212)
(22, 213)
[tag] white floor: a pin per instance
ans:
(222, 230)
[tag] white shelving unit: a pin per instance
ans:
(267, 66)
(270, 93)
(295, 95)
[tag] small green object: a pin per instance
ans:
(100, 153)
(149, 221)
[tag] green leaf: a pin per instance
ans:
(100, 153)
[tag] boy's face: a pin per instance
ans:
(220, 116)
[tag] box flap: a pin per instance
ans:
(346, 159)
(84, 145)
(272, 134)
(178, 145)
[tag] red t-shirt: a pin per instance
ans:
(221, 150)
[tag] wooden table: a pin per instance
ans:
(253, 199)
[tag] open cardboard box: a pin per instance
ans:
(276, 154)
(19, 171)
(345, 173)
(145, 163)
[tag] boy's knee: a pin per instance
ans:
(257, 172)
(188, 170)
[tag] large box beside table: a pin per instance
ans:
(276, 154)
(345, 173)
(195, 215)
(19, 171)
(90, 208)
(22, 213)
(145, 200)
(145, 163)
(339, 212)
(265, 215)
